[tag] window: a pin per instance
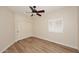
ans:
(55, 25)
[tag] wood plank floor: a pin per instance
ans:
(35, 45)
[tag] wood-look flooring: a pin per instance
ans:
(36, 45)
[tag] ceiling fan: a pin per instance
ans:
(34, 10)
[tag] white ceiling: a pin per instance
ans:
(23, 9)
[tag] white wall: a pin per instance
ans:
(7, 29)
(23, 26)
(13, 27)
(68, 37)
(78, 26)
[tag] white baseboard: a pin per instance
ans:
(13, 43)
(8, 46)
(54, 41)
(32, 36)
(23, 37)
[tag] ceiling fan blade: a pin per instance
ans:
(31, 8)
(40, 11)
(38, 14)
